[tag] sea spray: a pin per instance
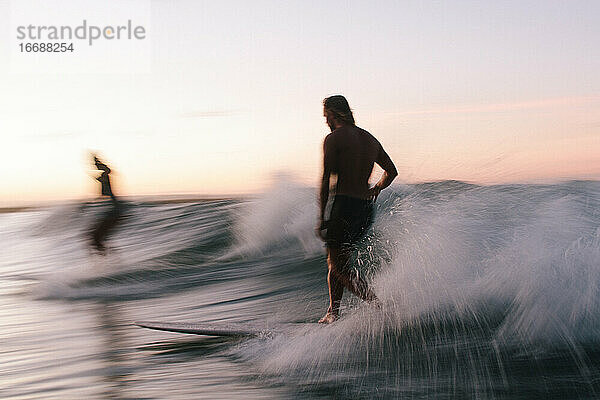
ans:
(487, 291)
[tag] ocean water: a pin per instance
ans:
(488, 292)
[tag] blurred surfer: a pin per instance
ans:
(108, 220)
(350, 153)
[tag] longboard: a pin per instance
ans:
(203, 329)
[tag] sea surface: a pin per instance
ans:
(489, 292)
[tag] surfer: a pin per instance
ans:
(349, 152)
(109, 220)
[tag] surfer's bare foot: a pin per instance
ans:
(328, 318)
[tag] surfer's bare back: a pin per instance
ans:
(350, 153)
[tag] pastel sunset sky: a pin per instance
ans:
(485, 92)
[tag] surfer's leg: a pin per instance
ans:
(104, 227)
(361, 288)
(349, 220)
(357, 230)
(336, 287)
(356, 284)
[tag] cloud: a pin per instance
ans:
(502, 107)
(52, 136)
(211, 113)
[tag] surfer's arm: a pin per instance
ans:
(324, 192)
(323, 197)
(389, 173)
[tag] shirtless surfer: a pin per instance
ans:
(109, 220)
(350, 153)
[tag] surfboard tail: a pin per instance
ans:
(234, 330)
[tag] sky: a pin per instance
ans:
(221, 96)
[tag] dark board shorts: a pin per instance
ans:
(349, 221)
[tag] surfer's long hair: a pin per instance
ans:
(339, 107)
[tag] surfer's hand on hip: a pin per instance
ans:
(373, 193)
